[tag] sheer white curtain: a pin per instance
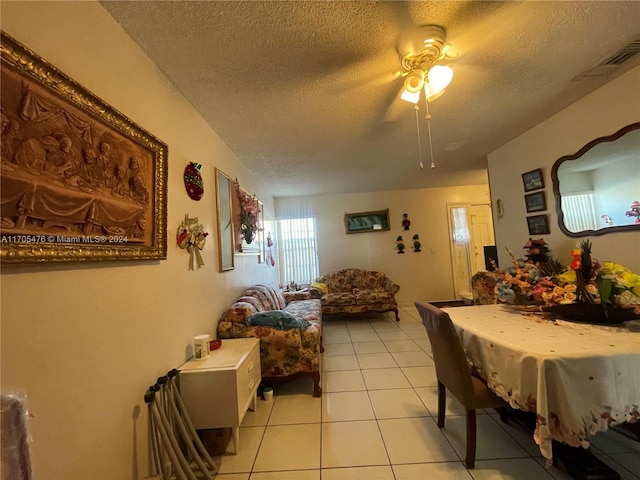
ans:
(579, 212)
(296, 229)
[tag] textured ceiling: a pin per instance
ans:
(305, 93)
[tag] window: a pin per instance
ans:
(297, 239)
(579, 212)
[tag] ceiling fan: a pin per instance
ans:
(419, 57)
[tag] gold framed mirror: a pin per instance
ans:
(225, 222)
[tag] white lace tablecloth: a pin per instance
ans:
(578, 378)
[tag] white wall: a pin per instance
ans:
(601, 113)
(425, 275)
(85, 341)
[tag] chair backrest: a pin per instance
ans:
(452, 368)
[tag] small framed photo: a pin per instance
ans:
(535, 202)
(538, 225)
(533, 180)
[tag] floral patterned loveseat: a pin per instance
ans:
(352, 291)
(284, 354)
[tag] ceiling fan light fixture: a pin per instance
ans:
(411, 97)
(439, 77)
(414, 81)
(430, 93)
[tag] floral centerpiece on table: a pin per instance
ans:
(525, 280)
(585, 289)
(589, 289)
(249, 211)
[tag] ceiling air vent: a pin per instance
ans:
(612, 63)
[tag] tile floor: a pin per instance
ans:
(376, 420)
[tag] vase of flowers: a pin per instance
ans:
(249, 210)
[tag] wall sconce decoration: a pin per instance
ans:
(406, 223)
(399, 244)
(192, 237)
(416, 243)
(193, 181)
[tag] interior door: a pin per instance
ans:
(481, 226)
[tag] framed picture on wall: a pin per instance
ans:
(80, 181)
(533, 180)
(535, 202)
(538, 225)
(377, 221)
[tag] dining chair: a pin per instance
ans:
(454, 374)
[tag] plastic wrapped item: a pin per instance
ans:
(15, 462)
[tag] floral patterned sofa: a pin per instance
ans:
(352, 291)
(284, 354)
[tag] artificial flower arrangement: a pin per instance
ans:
(249, 218)
(585, 290)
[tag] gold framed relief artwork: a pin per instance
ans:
(79, 180)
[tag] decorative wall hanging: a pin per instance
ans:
(377, 221)
(406, 223)
(226, 236)
(270, 258)
(247, 211)
(79, 180)
(400, 244)
(193, 181)
(416, 243)
(192, 237)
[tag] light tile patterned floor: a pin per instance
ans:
(375, 420)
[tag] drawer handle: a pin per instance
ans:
(250, 367)
(251, 384)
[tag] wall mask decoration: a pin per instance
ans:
(400, 244)
(79, 180)
(192, 237)
(193, 181)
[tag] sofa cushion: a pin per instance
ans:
(308, 310)
(277, 319)
(339, 298)
(371, 280)
(377, 295)
(238, 312)
(253, 301)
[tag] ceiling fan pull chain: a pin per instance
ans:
(428, 117)
(416, 108)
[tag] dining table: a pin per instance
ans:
(578, 378)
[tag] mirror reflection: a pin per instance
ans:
(225, 224)
(597, 190)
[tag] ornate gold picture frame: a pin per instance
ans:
(79, 180)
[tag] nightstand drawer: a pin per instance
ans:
(248, 378)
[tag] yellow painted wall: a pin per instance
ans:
(426, 275)
(85, 341)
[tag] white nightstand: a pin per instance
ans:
(218, 390)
